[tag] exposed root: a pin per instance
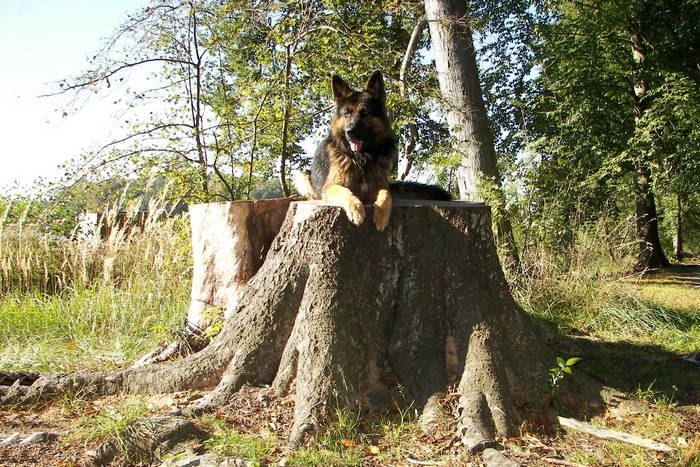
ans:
(25, 378)
(198, 371)
(476, 429)
(431, 414)
(185, 343)
(485, 408)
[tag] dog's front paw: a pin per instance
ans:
(381, 217)
(355, 210)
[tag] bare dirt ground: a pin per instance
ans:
(254, 411)
(52, 421)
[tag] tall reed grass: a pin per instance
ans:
(90, 302)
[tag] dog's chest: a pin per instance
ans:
(368, 178)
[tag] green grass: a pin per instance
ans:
(91, 304)
(101, 327)
(110, 423)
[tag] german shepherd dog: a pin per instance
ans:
(353, 164)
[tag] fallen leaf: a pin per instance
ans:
(348, 443)
(372, 450)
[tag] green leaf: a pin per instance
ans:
(573, 361)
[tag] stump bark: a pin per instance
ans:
(344, 316)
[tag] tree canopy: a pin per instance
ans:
(593, 106)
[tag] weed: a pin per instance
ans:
(113, 423)
(659, 398)
(563, 368)
(403, 410)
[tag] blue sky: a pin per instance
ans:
(42, 42)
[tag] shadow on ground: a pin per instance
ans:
(684, 275)
(629, 367)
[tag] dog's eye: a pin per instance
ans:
(347, 112)
(363, 112)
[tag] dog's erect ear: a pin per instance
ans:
(375, 86)
(341, 90)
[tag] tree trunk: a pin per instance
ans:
(345, 316)
(285, 123)
(651, 255)
(458, 74)
(410, 145)
(678, 236)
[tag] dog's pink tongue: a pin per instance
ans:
(355, 144)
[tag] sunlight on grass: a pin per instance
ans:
(98, 328)
(670, 293)
(228, 441)
(69, 304)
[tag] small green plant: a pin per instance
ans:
(658, 398)
(214, 316)
(113, 423)
(563, 368)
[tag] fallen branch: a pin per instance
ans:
(606, 433)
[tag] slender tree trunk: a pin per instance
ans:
(678, 237)
(254, 143)
(196, 107)
(651, 255)
(285, 123)
(455, 60)
(410, 145)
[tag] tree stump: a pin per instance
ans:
(341, 315)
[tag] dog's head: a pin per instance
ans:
(360, 120)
